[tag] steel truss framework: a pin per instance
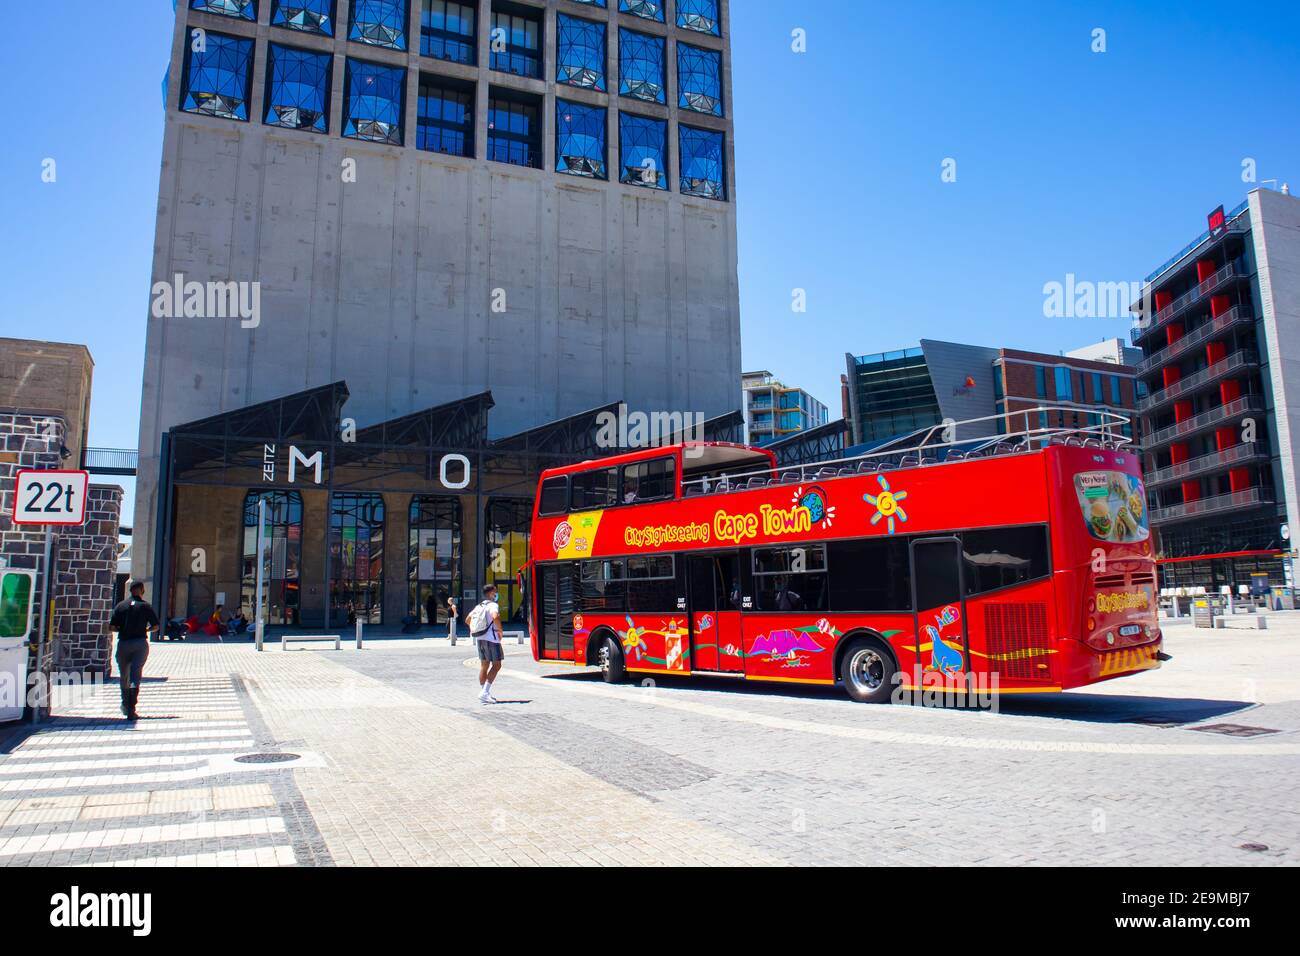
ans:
(419, 454)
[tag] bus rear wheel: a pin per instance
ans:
(609, 657)
(867, 669)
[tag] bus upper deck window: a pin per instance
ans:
(649, 481)
(555, 496)
(595, 489)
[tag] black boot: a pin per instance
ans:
(134, 695)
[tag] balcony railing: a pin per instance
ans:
(1235, 362)
(1233, 226)
(1234, 316)
(1205, 506)
(1228, 458)
(1233, 270)
(1215, 416)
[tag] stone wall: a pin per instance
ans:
(28, 439)
(87, 569)
(85, 556)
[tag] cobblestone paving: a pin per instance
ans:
(409, 769)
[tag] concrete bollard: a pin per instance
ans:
(1220, 624)
(360, 643)
(259, 632)
(1261, 622)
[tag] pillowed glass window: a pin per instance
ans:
(298, 89)
(699, 15)
(310, 16)
(579, 140)
(447, 31)
(243, 9)
(643, 151)
(446, 119)
(375, 96)
(699, 79)
(591, 3)
(580, 52)
(283, 557)
(218, 78)
(703, 163)
(516, 44)
(641, 73)
(646, 9)
(356, 556)
(379, 22)
(514, 133)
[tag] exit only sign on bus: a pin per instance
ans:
(51, 497)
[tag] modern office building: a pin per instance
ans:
(774, 411)
(432, 200)
(891, 394)
(1219, 328)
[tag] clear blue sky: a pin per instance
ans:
(1067, 161)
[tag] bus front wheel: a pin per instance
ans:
(867, 669)
(609, 657)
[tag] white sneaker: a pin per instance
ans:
(489, 699)
(483, 698)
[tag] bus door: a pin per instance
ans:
(714, 595)
(941, 612)
(555, 606)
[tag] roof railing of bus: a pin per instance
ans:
(905, 452)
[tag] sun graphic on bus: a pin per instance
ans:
(887, 503)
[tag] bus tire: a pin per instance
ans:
(609, 658)
(867, 670)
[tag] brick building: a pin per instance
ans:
(44, 398)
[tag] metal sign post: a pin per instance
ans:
(259, 628)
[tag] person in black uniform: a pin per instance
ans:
(132, 621)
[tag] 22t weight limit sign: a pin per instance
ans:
(50, 497)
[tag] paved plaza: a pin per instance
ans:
(399, 764)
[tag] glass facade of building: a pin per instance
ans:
(281, 574)
(699, 79)
(379, 23)
(580, 140)
(218, 77)
(356, 553)
(641, 66)
(895, 395)
(580, 52)
(309, 16)
(447, 31)
(703, 163)
(643, 151)
(434, 557)
(298, 88)
(445, 121)
(375, 97)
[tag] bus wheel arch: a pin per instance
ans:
(854, 654)
(613, 669)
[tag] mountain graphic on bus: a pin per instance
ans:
(783, 643)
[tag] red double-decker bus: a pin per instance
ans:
(1018, 564)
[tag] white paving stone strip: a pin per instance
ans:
(263, 856)
(121, 836)
(45, 753)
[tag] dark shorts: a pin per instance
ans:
(490, 651)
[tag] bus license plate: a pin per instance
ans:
(1128, 630)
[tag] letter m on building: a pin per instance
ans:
(296, 458)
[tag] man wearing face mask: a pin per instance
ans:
(485, 627)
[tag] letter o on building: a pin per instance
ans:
(447, 482)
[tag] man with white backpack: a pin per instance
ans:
(485, 627)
